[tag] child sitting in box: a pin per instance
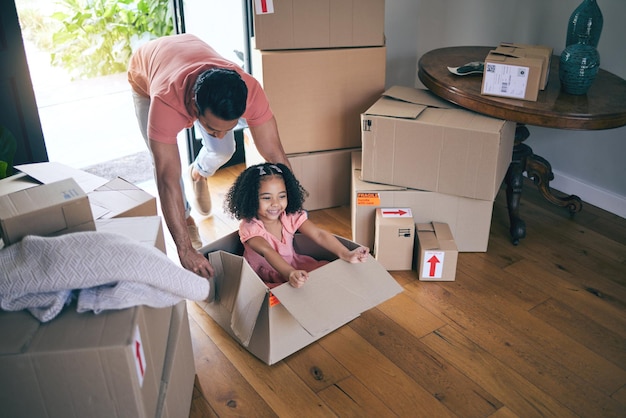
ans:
(267, 199)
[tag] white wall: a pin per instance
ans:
(589, 164)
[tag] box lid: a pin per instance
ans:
(435, 236)
(337, 293)
(406, 102)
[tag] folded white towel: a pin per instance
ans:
(106, 270)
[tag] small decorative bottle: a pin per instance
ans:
(578, 67)
(585, 23)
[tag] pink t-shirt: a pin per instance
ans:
(255, 228)
(166, 69)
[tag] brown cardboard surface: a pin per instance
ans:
(119, 198)
(412, 139)
(436, 253)
(179, 369)
(512, 74)
(394, 238)
(302, 24)
(469, 219)
(274, 325)
(325, 174)
(533, 51)
(318, 95)
(56, 208)
(82, 364)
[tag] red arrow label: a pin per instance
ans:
(433, 265)
(139, 357)
(264, 6)
(399, 212)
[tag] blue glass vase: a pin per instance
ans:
(578, 67)
(585, 24)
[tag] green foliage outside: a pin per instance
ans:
(92, 38)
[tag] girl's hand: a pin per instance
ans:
(297, 278)
(358, 255)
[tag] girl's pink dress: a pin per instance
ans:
(255, 228)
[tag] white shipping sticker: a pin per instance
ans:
(140, 358)
(396, 213)
(432, 266)
(505, 80)
(264, 7)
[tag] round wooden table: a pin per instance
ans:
(603, 107)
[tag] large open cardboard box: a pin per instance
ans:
(469, 219)
(304, 24)
(318, 95)
(413, 139)
(273, 325)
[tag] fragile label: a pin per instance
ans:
(264, 7)
(505, 80)
(432, 264)
(273, 300)
(140, 357)
(368, 199)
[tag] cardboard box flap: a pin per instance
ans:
(328, 301)
(395, 108)
(243, 298)
(417, 96)
(442, 231)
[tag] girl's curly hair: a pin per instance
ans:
(242, 199)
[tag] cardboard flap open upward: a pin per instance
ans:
(243, 298)
(328, 301)
(417, 96)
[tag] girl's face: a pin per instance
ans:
(272, 198)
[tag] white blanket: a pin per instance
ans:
(104, 270)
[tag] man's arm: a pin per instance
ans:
(267, 141)
(168, 172)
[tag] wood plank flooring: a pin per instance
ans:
(534, 330)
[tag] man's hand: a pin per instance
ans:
(193, 261)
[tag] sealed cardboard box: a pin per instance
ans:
(50, 209)
(469, 219)
(120, 198)
(179, 369)
(302, 24)
(325, 174)
(83, 365)
(273, 325)
(512, 75)
(317, 96)
(436, 252)
(413, 139)
(534, 51)
(394, 238)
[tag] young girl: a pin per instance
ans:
(267, 199)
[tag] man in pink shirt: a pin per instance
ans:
(179, 81)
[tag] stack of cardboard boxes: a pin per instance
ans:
(444, 163)
(321, 65)
(132, 362)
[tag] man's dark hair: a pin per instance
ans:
(222, 91)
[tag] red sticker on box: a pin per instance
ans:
(273, 300)
(263, 7)
(140, 357)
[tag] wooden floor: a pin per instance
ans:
(534, 330)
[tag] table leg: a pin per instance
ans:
(540, 171)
